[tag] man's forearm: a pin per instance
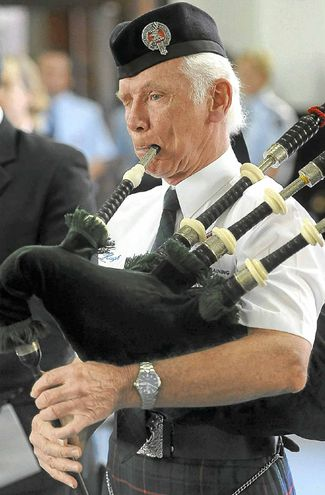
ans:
(259, 365)
(266, 362)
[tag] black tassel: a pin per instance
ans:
(143, 262)
(90, 226)
(20, 333)
(211, 303)
(185, 261)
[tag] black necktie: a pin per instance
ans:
(168, 218)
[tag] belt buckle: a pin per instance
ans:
(153, 446)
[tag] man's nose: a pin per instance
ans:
(136, 118)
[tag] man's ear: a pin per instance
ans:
(220, 100)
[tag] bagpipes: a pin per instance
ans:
(110, 314)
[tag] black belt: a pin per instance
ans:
(166, 438)
(208, 442)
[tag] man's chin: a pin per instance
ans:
(154, 175)
(153, 171)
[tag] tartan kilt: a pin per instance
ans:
(139, 474)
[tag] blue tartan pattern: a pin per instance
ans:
(138, 475)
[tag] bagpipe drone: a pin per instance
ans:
(110, 314)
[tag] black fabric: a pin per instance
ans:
(240, 149)
(188, 439)
(113, 311)
(40, 181)
(168, 217)
(183, 28)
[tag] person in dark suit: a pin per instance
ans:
(40, 181)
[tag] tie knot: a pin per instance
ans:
(171, 202)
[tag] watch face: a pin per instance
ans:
(149, 383)
(149, 388)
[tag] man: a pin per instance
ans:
(177, 448)
(73, 119)
(40, 181)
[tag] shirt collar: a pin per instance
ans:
(210, 182)
(1, 115)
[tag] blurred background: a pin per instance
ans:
(290, 32)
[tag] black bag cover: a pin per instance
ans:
(120, 316)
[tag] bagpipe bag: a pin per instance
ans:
(119, 316)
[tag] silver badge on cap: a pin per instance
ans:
(156, 36)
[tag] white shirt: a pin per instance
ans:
(295, 291)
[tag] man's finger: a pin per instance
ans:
(59, 464)
(59, 471)
(72, 429)
(55, 449)
(56, 396)
(50, 379)
(60, 410)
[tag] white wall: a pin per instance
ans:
(14, 33)
(292, 30)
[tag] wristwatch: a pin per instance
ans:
(147, 384)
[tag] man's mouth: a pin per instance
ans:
(141, 150)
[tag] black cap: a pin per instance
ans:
(162, 34)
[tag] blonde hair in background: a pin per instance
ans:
(260, 60)
(23, 69)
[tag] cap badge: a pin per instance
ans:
(156, 36)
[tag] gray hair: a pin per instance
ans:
(203, 69)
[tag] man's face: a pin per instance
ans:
(253, 79)
(15, 99)
(159, 110)
(55, 72)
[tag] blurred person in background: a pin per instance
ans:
(40, 181)
(73, 119)
(268, 116)
(24, 98)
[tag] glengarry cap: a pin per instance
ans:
(162, 34)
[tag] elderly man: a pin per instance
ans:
(180, 92)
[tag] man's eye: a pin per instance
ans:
(155, 96)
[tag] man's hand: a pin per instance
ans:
(55, 456)
(87, 391)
